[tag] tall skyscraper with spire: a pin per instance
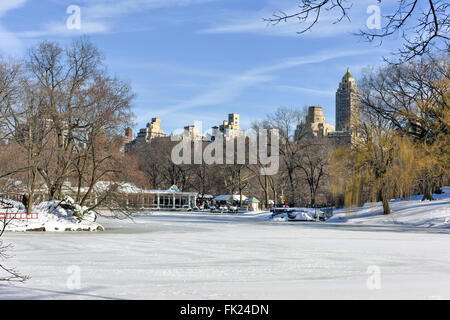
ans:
(347, 105)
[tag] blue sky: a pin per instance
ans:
(198, 60)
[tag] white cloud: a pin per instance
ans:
(221, 92)
(7, 5)
(327, 26)
(230, 89)
(95, 16)
(9, 42)
(112, 8)
(305, 90)
(59, 29)
(316, 58)
(288, 29)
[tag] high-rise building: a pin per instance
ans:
(231, 128)
(233, 120)
(145, 135)
(314, 125)
(347, 105)
(193, 132)
(315, 122)
(151, 131)
(347, 112)
(347, 116)
(126, 139)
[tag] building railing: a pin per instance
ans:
(18, 215)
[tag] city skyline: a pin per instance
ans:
(347, 116)
(206, 58)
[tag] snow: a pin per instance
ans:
(298, 214)
(413, 212)
(199, 255)
(174, 255)
(130, 188)
(226, 197)
(50, 216)
(124, 187)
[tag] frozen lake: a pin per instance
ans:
(205, 256)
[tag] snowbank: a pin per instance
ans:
(48, 216)
(411, 212)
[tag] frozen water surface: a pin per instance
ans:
(212, 256)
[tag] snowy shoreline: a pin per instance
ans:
(413, 213)
(406, 213)
(53, 216)
(177, 256)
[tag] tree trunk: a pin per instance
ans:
(292, 191)
(427, 191)
(386, 205)
(312, 196)
(30, 202)
(240, 198)
(266, 192)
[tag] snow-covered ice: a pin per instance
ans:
(224, 256)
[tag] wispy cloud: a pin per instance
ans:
(304, 90)
(288, 29)
(253, 22)
(60, 29)
(9, 5)
(303, 60)
(221, 92)
(10, 42)
(169, 68)
(96, 15)
(228, 90)
(113, 8)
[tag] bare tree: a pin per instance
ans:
(313, 162)
(413, 99)
(155, 161)
(64, 110)
(22, 123)
(288, 122)
(152, 160)
(206, 178)
(81, 104)
(12, 275)
(237, 178)
(423, 25)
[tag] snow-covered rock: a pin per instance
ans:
(294, 214)
(54, 215)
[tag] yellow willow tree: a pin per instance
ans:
(380, 167)
(414, 100)
(404, 168)
(434, 166)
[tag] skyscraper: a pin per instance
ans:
(314, 125)
(347, 105)
(151, 131)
